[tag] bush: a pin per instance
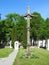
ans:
(24, 44)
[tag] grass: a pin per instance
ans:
(43, 57)
(5, 52)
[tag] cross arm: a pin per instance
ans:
(30, 15)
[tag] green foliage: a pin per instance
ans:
(47, 27)
(2, 31)
(21, 31)
(37, 27)
(14, 28)
(13, 35)
(9, 25)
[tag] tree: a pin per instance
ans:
(2, 31)
(14, 35)
(12, 19)
(36, 26)
(8, 28)
(22, 31)
(47, 27)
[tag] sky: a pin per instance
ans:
(20, 7)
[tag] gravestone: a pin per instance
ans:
(44, 43)
(32, 41)
(40, 43)
(10, 44)
(47, 44)
(16, 45)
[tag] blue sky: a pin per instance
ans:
(20, 7)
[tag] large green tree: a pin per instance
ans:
(47, 27)
(22, 31)
(36, 26)
(12, 19)
(2, 31)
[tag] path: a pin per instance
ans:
(9, 60)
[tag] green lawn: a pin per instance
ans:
(42, 57)
(5, 52)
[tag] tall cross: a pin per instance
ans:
(28, 16)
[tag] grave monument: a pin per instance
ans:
(28, 16)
